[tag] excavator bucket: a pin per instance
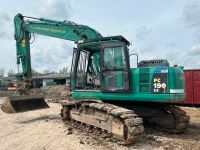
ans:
(16, 104)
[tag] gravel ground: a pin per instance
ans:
(44, 129)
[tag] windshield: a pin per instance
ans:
(114, 58)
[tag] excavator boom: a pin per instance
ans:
(26, 26)
(67, 30)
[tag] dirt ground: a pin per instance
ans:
(43, 129)
(54, 93)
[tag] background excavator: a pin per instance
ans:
(107, 94)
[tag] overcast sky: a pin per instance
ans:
(159, 29)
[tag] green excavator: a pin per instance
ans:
(107, 94)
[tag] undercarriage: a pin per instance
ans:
(121, 123)
(165, 117)
(122, 120)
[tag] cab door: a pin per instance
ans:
(115, 67)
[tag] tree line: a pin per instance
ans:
(12, 73)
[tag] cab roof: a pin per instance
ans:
(95, 44)
(109, 38)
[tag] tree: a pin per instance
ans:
(63, 70)
(11, 73)
(2, 72)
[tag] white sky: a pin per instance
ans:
(159, 29)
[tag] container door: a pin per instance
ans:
(189, 87)
(196, 86)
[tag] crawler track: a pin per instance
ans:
(181, 120)
(165, 117)
(119, 122)
(170, 119)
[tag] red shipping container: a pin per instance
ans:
(192, 81)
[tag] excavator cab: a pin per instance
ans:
(103, 66)
(115, 70)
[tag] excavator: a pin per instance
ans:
(107, 94)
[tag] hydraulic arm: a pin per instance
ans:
(24, 26)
